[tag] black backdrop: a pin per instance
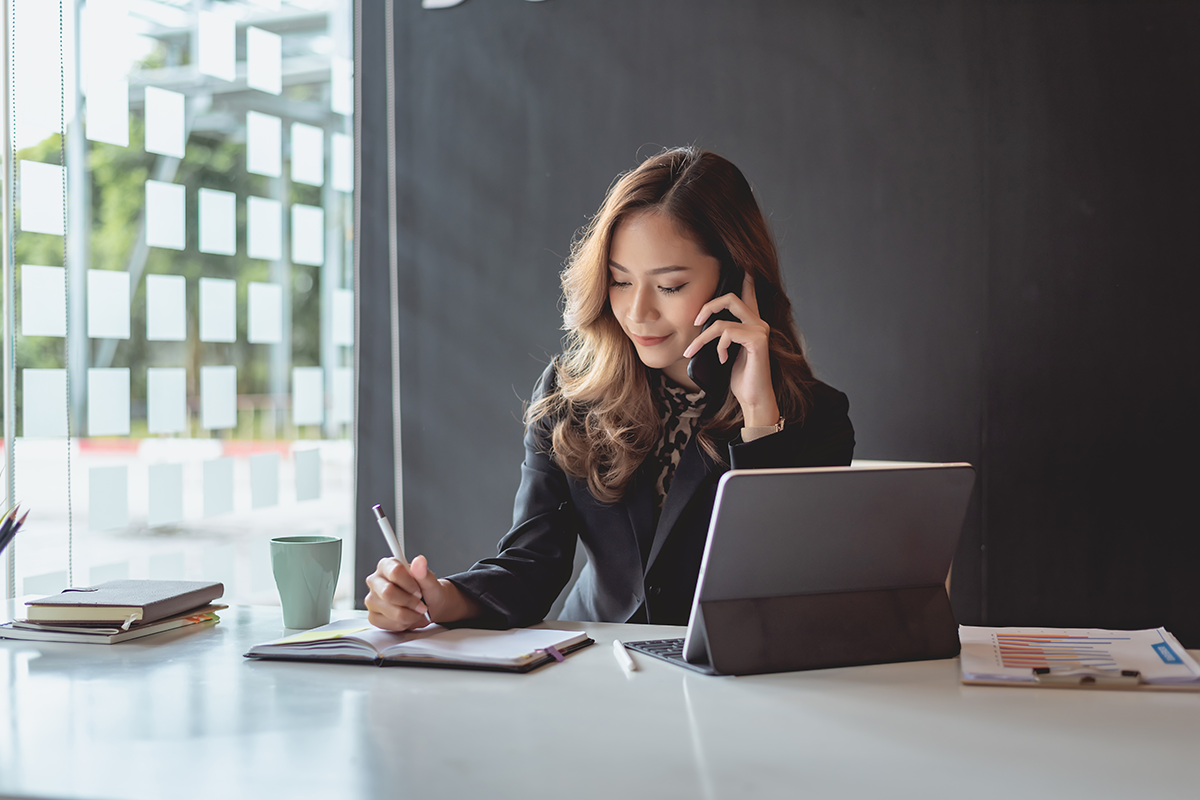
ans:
(985, 216)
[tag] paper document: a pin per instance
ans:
(1012, 654)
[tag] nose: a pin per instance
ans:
(643, 308)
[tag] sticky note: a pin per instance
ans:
(218, 310)
(165, 114)
(324, 633)
(264, 144)
(166, 308)
(103, 573)
(44, 402)
(308, 154)
(166, 400)
(308, 235)
(167, 566)
(41, 197)
(308, 475)
(264, 60)
(264, 480)
(218, 222)
(166, 500)
(108, 402)
(218, 397)
(342, 322)
(308, 395)
(342, 157)
(341, 85)
(264, 228)
(43, 301)
(46, 583)
(108, 498)
(165, 215)
(343, 395)
(108, 304)
(108, 111)
(264, 323)
(218, 486)
(217, 45)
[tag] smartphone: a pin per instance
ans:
(705, 368)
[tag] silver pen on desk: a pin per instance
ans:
(623, 657)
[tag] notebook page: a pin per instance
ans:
(511, 647)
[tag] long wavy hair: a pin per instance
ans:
(601, 411)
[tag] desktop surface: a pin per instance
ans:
(184, 715)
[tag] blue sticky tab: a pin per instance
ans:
(1167, 654)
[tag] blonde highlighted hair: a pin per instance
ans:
(600, 410)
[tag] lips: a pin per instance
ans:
(649, 341)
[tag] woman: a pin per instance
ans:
(623, 450)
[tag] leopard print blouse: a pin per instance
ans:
(679, 411)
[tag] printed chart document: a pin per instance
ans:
(1011, 655)
(353, 640)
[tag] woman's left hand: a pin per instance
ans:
(751, 378)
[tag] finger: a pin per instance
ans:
(749, 296)
(704, 338)
(723, 345)
(431, 588)
(403, 621)
(394, 571)
(731, 302)
(387, 595)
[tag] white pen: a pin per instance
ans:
(623, 657)
(389, 535)
(393, 542)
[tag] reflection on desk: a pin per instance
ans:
(184, 715)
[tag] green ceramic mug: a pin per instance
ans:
(306, 572)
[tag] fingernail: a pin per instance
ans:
(422, 608)
(699, 319)
(723, 357)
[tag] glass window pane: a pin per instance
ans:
(182, 346)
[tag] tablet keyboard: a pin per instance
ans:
(670, 650)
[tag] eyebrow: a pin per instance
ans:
(655, 271)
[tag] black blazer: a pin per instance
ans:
(636, 570)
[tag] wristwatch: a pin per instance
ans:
(750, 433)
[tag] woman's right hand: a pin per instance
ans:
(400, 597)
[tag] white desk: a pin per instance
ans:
(183, 715)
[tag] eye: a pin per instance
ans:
(671, 289)
(614, 283)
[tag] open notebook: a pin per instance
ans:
(353, 640)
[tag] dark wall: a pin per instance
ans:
(1092, 337)
(982, 211)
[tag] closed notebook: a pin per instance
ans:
(205, 616)
(120, 601)
(352, 640)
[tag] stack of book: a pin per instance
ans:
(117, 611)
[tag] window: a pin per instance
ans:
(184, 387)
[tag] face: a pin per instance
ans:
(658, 281)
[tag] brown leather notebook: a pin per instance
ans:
(117, 601)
